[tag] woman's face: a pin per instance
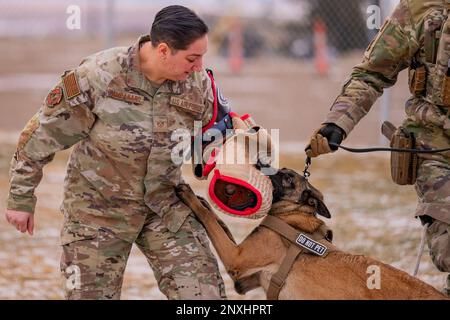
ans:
(179, 65)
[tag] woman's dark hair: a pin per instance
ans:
(177, 26)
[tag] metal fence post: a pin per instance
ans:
(109, 33)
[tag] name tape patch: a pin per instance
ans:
(126, 96)
(311, 245)
(186, 105)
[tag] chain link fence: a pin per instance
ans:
(284, 40)
(285, 28)
(292, 35)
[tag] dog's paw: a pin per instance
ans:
(182, 187)
(185, 193)
(244, 285)
(239, 287)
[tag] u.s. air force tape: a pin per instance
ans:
(311, 245)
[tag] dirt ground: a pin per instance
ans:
(371, 215)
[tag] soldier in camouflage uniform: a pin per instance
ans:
(118, 109)
(416, 36)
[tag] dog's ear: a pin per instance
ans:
(277, 183)
(313, 197)
(322, 209)
(308, 198)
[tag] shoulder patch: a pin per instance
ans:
(419, 9)
(29, 129)
(71, 86)
(54, 97)
(221, 99)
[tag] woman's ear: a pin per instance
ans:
(163, 50)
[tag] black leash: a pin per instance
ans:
(363, 150)
(306, 173)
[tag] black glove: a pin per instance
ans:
(333, 133)
(319, 143)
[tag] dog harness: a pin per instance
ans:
(318, 243)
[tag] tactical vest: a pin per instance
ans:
(429, 72)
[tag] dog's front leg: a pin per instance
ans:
(219, 221)
(226, 248)
(245, 284)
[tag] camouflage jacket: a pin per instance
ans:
(400, 43)
(121, 128)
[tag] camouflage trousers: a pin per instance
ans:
(433, 189)
(94, 259)
(438, 239)
(433, 178)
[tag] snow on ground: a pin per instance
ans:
(370, 215)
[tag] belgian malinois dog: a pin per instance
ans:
(336, 275)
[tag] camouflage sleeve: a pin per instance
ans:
(208, 112)
(64, 119)
(208, 98)
(388, 54)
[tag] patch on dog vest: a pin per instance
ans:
(311, 245)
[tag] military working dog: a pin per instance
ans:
(321, 272)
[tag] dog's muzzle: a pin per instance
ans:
(240, 191)
(236, 186)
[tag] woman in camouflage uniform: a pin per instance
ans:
(118, 109)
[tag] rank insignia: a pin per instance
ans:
(54, 97)
(71, 86)
(160, 124)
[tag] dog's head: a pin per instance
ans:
(290, 186)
